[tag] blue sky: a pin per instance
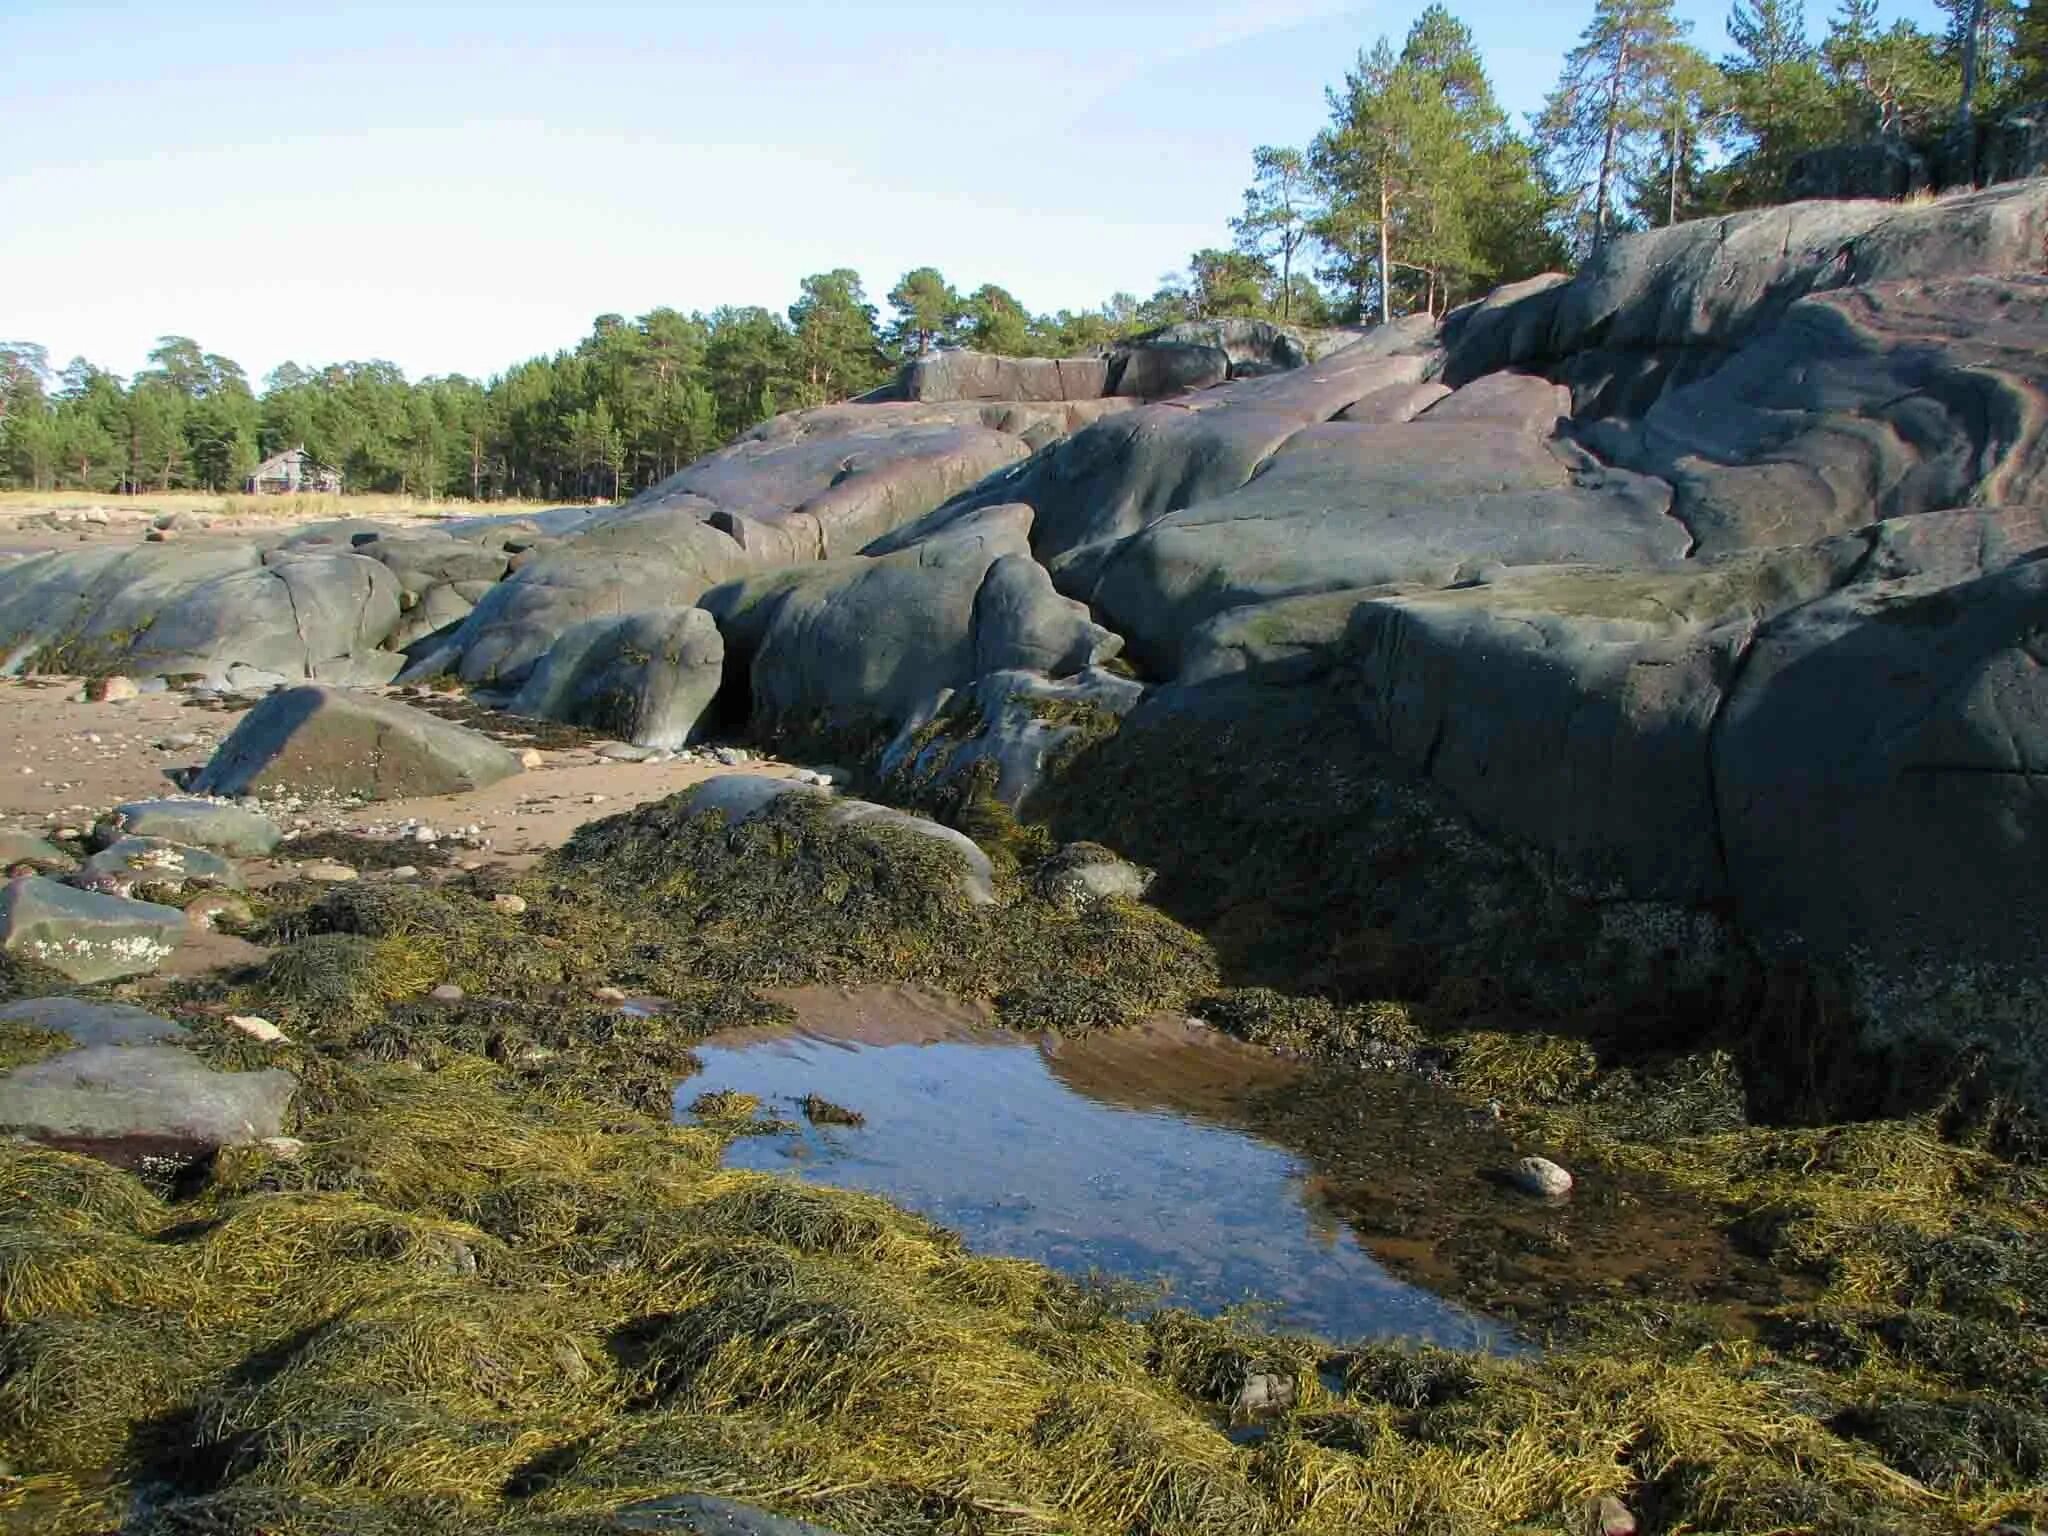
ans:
(454, 187)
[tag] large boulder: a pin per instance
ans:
(740, 797)
(168, 610)
(1159, 370)
(962, 375)
(85, 935)
(128, 1102)
(215, 824)
(337, 742)
(647, 677)
(869, 639)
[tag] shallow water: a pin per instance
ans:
(1111, 1154)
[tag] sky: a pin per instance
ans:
(455, 187)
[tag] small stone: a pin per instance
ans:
(178, 742)
(158, 536)
(1264, 1395)
(425, 835)
(215, 907)
(1608, 1516)
(287, 1147)
(530, 758)
(610, 994)
(401, 872)
(447, 992)
(112, 690)
(327, 873)
(256, 1027)
(1541, 1177)
(599, 799)
(508, 904)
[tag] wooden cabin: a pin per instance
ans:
(289, 471)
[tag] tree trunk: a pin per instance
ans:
(1671, 214)
(1601, 191)
(1386, 257)
(1971, 32)
(1286, 283)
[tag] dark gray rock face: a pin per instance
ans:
(1155, 371)
(742, 796)
(196, 823)
(646, 678)
(82, 934)
(128, 1101)
(332, 741)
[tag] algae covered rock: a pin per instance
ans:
(125, 1102)
(700, 1514)
(88, 1023)
(26, 852)
(742, 796)
(82, 934)
(332, 741)
(129, 863)
(648, 677)
(195, 823)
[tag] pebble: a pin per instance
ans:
(327, 873)
(624, 752)
(530, 758)
(401, 872)
(283, 1146)
(508, 904)
(1264, 1395)
(598, 799)
(112, 690)
(256, 1027)
(179, 742)
(1541, 1177)
(1608, 1516)
(208, 910)
(610, 994)
(447, 992)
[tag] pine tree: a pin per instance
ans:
(1600, 128)
(927, 311)
(1779, 104)
(1887, 83)
(1278, 211)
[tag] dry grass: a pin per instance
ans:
(305, 508)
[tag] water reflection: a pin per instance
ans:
(1110, 1154)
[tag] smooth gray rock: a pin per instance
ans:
(82, 934)
(129, 862)
(128, 1101)
(89, 1023)
(647, 677)
(872, 638)
(212, 824)
(1114, 477)
(332, 741)
(740, 797)
(1435, 501)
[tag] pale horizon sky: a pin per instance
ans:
(457, 187)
